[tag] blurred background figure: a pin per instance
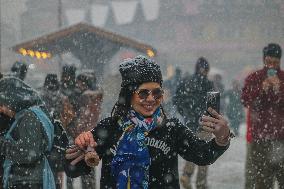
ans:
(68, 78)
(190, 100)
(5, 123)
(262, 94)
(19, 70)
(92, 79)
(55, 103)
(233, 106)
(86, 101)
(51, 95)
(33, 138)
(169, 87)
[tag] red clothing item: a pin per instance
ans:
(266, 109)
(248, 134)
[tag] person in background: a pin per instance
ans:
(19, 70)
(68, 79)
(90, 103)
(67, 89)
(34, 142)
(190, 100)
(53, 99)
(5, 124)
(263, 95)
(87, 103)
(170, 86)
(58, 105)
(249, 174)
(234, 108)
(51, 95)
(92, 77)
(138, 144)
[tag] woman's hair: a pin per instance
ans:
(123, 105)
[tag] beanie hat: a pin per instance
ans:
(273, 50)
(17, 95)
(69, 70)
(134, 72)
(86, 79)
(139, 70)
(51, 82)
(201, 63)
(68, 76)
(19, 69)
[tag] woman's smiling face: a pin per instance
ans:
(147, 98)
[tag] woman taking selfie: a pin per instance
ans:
(139, 145)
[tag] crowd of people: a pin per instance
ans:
(43, 123)
(56, 129)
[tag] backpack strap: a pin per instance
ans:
(48, 177)
(47, 125)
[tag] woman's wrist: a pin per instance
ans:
(224, 141)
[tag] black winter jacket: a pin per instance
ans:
(165, 143)
(29, 148)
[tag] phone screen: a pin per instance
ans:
(271, 72)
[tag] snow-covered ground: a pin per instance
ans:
(227, 172)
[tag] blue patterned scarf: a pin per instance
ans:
(130, 165)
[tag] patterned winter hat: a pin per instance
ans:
(17, 95)
(139, 70)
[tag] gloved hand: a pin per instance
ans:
(75, 154)
(217, 125)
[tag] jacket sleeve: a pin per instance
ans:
(193, 149)
(101, 133)
(29, 143)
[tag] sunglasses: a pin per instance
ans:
(144, 93)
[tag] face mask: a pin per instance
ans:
(5, 122)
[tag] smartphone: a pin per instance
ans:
(271, 72)
(213, 101)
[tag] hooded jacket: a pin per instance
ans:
(165, 143)
(30, 140)
(266, 110)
